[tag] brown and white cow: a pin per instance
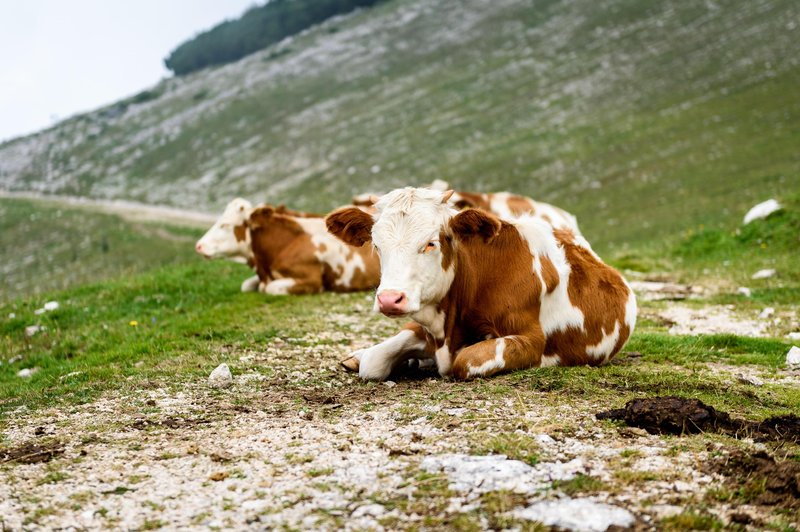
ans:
(485, 295)
(297, 255)
(229, 237)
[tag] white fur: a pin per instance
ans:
(279, 287)
(606, 345)
(444, 361)
(220, 241)
(250, 284)
(376, 362)
(550, 360)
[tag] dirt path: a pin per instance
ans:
(129, 210)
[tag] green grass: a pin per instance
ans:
(44, 247)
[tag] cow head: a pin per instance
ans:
(228, 237)
(414, 231)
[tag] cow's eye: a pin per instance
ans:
(430, 246)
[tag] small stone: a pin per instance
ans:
(11, 315)
(14, 359)
(762, 210)
(633, 432)
(220, 377)
(744, 291)
(389, 384)
(768, 312)
(764, 274)
(39, 311)
(374, 510)
(793, 356)
(51, 305)
(749, 379)
(218, 475)
(305, 414)
(793, 335)
(32, 330)
(27, 372)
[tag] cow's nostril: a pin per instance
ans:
(400, 299)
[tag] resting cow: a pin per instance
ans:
(229, 237)
(486, 295)
(295, 255)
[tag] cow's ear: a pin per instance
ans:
(475, 222)
(260, 217)
(351, 225)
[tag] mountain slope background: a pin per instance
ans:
(643, 118)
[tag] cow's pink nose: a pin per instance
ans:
(392, 302)
(198, 247)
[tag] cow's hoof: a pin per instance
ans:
(350, 363)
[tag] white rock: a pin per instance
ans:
(480, 474)
(744, 291)
(764, 274)
(793, 336)
(31, 330)
(11, 315)
(373, 510)
(39, 311)
(27, 372)
(544, 439)
(577, 514)
(51, 305)
(749, 379)
(220, 377)
(793, 356)
(389, 384)
(766, 313)
(762, 210)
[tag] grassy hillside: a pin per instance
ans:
(45, 246)
(644, 118)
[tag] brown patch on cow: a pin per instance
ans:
(420, 332)
(598, 291)
(240, 232)
(446, 245)
(472, 199)
(519, 205)
(32, 452)
(474, 222)
(282, 209)
(549, 273)
(351, 225)
(547, 219)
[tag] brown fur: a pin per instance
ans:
(351, 224)
(549, 273)
(519, 205)
(282, 249)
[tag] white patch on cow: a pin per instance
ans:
(499, 206)
(606, 345)
(498, 362)
(557, 312)
(376, 362)
(444, 361)
(251, 284)
(550, 360)
(333, 252)
(220, 240)
(630, 309)
(432, 319)
(279, 287)
(406, 220)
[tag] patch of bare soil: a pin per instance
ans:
(32, 452)
(757, 475)
(679, 415)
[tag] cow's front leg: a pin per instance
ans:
(493, 356)
(378, 361)
(292, 286)
(251, 284)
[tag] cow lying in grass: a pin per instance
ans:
(229, 237)
(297, 255)
(486, 295)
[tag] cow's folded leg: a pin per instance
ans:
(291, 286)
(251, 284)
(493, 356)
(378, 361)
